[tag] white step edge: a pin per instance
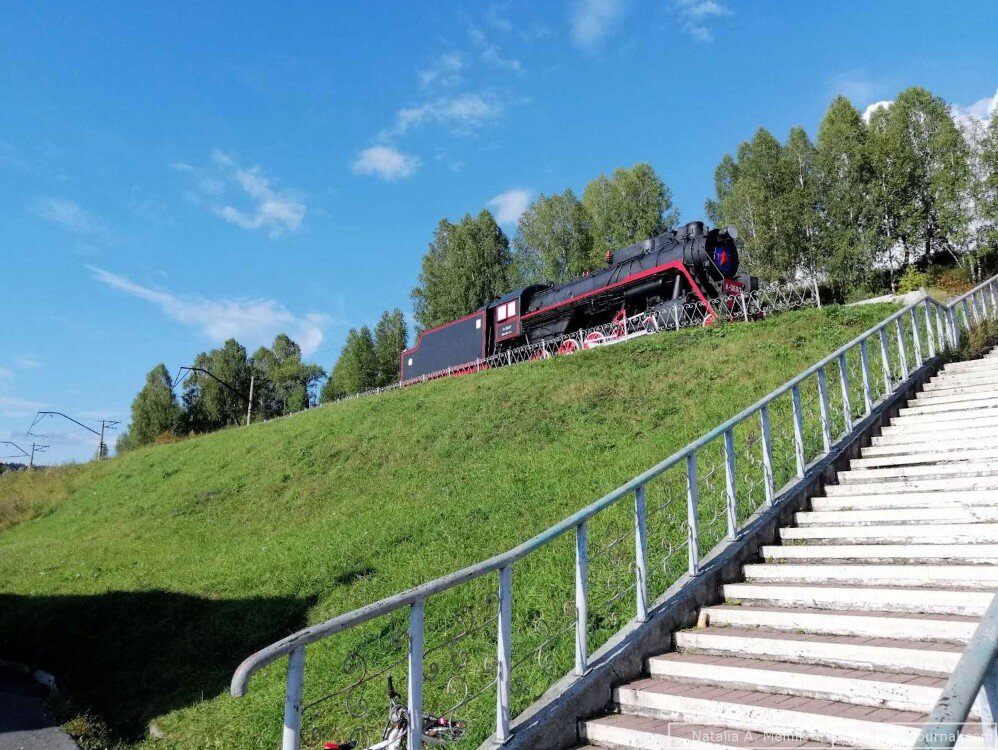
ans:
(922, 410)
(862, 599)
(865, 692)
(969, 554)
(967, 392)
(984, 577)
(608, 735)
(933, 471)
(829, 622)
(987, 482)
(821, 727)
(975, 533)
(924, 458)
(948, 420)
(947, 450)
(815, 651)
(966, 499)
(950, 440)
(944, 514)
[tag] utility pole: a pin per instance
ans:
(249, 401)
(249, 405)
(35, 447)
(105, 424)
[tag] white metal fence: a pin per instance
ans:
(606, 562)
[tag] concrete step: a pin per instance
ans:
(948, 381)
(957, 393)
(950, 601)
(939, 554)
(629, 731)
(935, 408)
(969, 436)
(967, 397)
(839, 723)
(900, 514)
(852, 652)
(948, 450)
(932, 471)
(983, 577)
(644, 733)
(985, 482)
(970, 533)
(901, 692)
(981, 364)
(947, 420)
(923, 458)
(872, 624)
(926, 500)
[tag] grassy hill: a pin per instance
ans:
(141, 582)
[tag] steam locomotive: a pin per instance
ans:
(664, 274)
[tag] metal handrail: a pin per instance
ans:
(974, 678)
(945, 333)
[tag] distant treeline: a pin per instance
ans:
(906, 188)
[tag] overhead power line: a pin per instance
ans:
(105, 424)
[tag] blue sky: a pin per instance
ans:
(173, 174)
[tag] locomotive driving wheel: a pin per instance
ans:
(568, 346)
(593, 339)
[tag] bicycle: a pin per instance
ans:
(437, 730)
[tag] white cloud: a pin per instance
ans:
(592, 20)
(509, 206)
(6, 373)
(385, 162)
(275, 210)
(26, 362)
(463, 114)
(69, 215)
(694, 15)
(982, 110)
(446, 71)
(252, 321)
(493, 56)
(868, 112)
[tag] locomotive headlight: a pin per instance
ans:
(726, 259)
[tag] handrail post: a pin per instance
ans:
(954, 328)
(503, 653)
(941, 328)
(292, 700)
(581, 598)
(864, 358)
(916, 339)
(767, 454)
(826, 426)
(994, 298)
(641, 552)
(416, 612)
(930, 337)
(902, 356)
(798, 430)
(887, 363)
(729, 483)
(844, 384)
(692, 525)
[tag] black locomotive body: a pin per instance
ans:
(687, 265)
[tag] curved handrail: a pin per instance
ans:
(957, 698)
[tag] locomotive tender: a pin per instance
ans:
(690, 264)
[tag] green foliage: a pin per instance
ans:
(843, 173)
(391, 336)
(218, 400)
(145, 580)
(355, 370)
(154, 411)
(553, 242)
(629, 206)
(283, 384)
(912, 279)
(467, 265)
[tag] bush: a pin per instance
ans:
(981, 337)
(952, 280)
(913, 279)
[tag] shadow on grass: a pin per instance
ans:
(128, 657)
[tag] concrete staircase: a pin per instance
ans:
(845, 633)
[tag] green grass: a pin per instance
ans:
(141, 582)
